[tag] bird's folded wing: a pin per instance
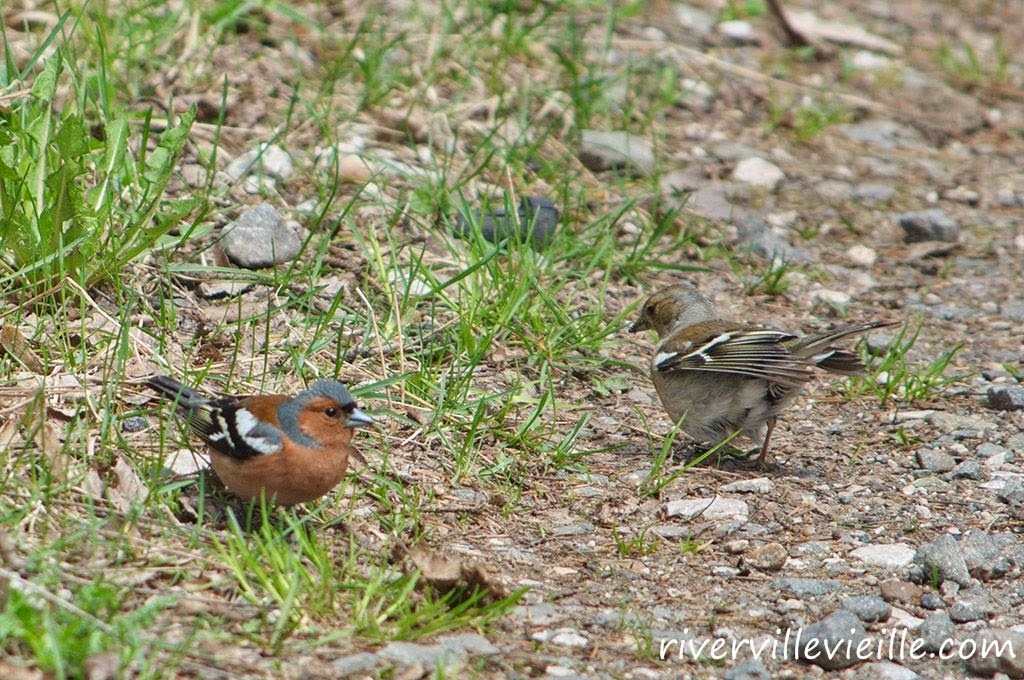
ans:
(751, 352)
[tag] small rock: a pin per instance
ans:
(942, 556)
(936, 630)
(885, 134)
(862, 256)
(807, 587)
(738, 31)
(613, 150)
(871, 192)
(362, 662)
(838, 299)
(758, 172)
(578, 529)
(901, 618)
(864, 60)
(990, 450)
(972, 604)
(962, 194)
(259, 238)
(693, 18)
(884, 670)
(1004, 653)
(887, 556)
(1012, 310)
(134, 424)
(711, 509)
(1006, 397)
(409, 653)
(472, 644)
(928, 225)
(1012, 492)
(563, 637)
(352, 168)
(982, 556)
(902, 592)
(540, 614)
(968, 469)
(755, 485)
(534, 222)
(868, 608)
(831, 643)
(748, 669)
(767, 557)
(268, 159)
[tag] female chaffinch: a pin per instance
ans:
(726, 378)
(289, 449)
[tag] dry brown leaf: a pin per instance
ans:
(451, 573)
(15, 344)
(130, 488)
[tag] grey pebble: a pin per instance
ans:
(868, 608)
(972, 604)
(134, 424)
(934, 460)
(928, 225)
(535, 221)
(1013, 309)
(884, 670)
(885, 134)
(356, 663)
(807, 587)
(990, 450)
(1012, 664)
(982, 556)
(259, 238)
(748, 669)
(943, 556)
(755, 485)
(935, 630)
(578, 529)
(968, 469)
(1012, 492)
(840, 631)
(1006, 397)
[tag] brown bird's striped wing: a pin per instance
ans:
(719, 348)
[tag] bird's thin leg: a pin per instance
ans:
(767, 438)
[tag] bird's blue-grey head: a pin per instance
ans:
(288, 412)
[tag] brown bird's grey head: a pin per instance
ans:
(673, 307)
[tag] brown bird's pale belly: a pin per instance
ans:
(718, 407)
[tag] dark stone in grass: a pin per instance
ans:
(134, 424)
(534, 222)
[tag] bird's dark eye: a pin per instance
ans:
(331, 412)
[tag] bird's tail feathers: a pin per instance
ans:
(818, 349)
(172, 389)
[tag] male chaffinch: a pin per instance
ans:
(727, 378)
(290, 449)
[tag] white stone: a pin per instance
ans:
(861, 255)
(890, 556)
(711, 509)
(758, 172)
